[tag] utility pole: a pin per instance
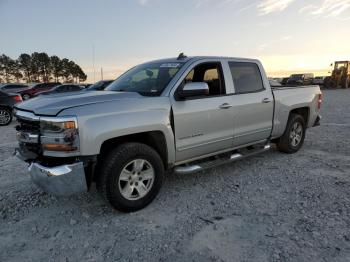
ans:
(93, 61)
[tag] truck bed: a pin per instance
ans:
(289, 97)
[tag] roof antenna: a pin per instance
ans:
(181, 56)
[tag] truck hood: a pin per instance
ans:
(51, 105)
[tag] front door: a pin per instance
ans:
(203, 125)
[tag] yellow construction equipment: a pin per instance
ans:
(340, 75)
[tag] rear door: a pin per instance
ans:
(203, 125)
(252, 103)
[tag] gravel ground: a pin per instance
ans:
(272, 207)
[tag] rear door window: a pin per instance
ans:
(246, 77)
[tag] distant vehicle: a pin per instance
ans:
(340, 75)
(277, 79)
(274, 83)
(284, 81)
(100, 85)
(7, 101)
(13, 88)
(61, 89)
(85, 85)
(319, 80)
(36, 88)
(300, 79)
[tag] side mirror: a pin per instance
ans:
(194, 89)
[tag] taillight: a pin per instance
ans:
(17, 98)
(319, 102)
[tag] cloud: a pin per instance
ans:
(200, 3)
(245, 8)
(286, 38)
(329, 8)
(262, 47)
(271, 6)
(143, 2)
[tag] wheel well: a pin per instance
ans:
(154, 139)
(7, 107)
(303, 111)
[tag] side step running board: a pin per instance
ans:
(189, 169)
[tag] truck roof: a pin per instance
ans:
(195, 58)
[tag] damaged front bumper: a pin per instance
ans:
(60, 180)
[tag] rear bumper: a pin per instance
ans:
(60, 180)
(317, 121)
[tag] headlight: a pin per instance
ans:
(59, 134)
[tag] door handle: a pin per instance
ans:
(225, 106)
(266, 100)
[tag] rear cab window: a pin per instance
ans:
(246, 77)
(13, 86)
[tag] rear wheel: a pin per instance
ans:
(345, 82)
(26, 97)
(131, 176)
(294, 135)
(5, 116)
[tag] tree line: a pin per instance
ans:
(39, 67)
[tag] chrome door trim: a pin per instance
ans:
(252, 133)
(204, 144)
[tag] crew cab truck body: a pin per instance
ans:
(183, 114)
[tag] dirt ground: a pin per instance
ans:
(271, 207)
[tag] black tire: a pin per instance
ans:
(285, 143)
(5, 116)
(345, 83)
(329, 82)
(110, 170)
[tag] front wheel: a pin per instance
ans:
(5, 116)
(329, 82)
(294, 135)
(131, 176)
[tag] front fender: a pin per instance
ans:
(98, 123)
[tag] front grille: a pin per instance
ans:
(30, 126)
(35, 148)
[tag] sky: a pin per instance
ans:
(288, 36)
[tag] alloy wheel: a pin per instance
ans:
(136, 179)
(5, 117)
(296, 134)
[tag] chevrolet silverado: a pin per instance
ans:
(183, 114)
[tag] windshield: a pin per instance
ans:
(148, 79)
(340, 65)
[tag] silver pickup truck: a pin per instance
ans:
(184, 114)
